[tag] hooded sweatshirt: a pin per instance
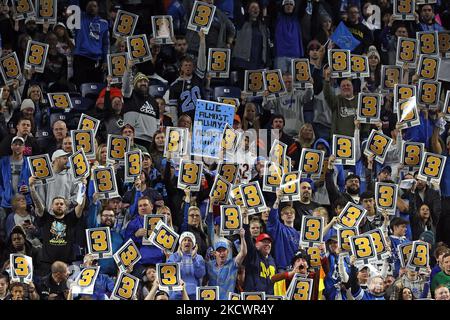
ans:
(288, 36)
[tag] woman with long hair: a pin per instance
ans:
(65, 46)
(249, 119)
(421, 220)
(305, 139)
(157, 149)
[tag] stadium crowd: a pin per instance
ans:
(48, 222)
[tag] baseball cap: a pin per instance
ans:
(26, 104)
(263, 236)
(217, 220)
(220, 244)
(59, 24)
(59, 153)
(17, 139)
(237, 118)
(146, 154)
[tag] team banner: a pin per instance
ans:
(209, 122)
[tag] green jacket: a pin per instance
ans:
(344, 111)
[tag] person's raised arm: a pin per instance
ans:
(333, 192)
(187, 204)
(201, 61)
(243, 252)
(357, 141)
(152, 293)
(436, 146)
(127, 85)
(36, 199)
(328, 93)
(80, 207)
(330, 224)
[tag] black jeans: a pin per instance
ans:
(86, 70)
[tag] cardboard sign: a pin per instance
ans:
(36, 56)
(201, 18)
(41, 168)
(219, 62)
(99, 242)
(340, 63)
(124, 24)
(162, 27)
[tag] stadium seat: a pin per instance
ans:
(232, 92)
(157, 90)
(84, 105)
(91, 90)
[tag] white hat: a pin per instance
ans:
(26, 104)
(188, 234)
(58, 153)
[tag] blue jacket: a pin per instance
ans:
(108, 265)
(288, 36)
(150, 254)
(6, 192)
(285, 239)
(421, 133)
(332, 279)
(92, 39)
(395, 241)
(445, 181)
(192, 272)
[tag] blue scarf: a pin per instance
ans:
(288, 35)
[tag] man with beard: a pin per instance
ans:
(107, 219)
(58, 228)
(305, 206)
(352, 182)
(91, 46)
(141, 110)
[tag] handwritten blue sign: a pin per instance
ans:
(209, 121)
